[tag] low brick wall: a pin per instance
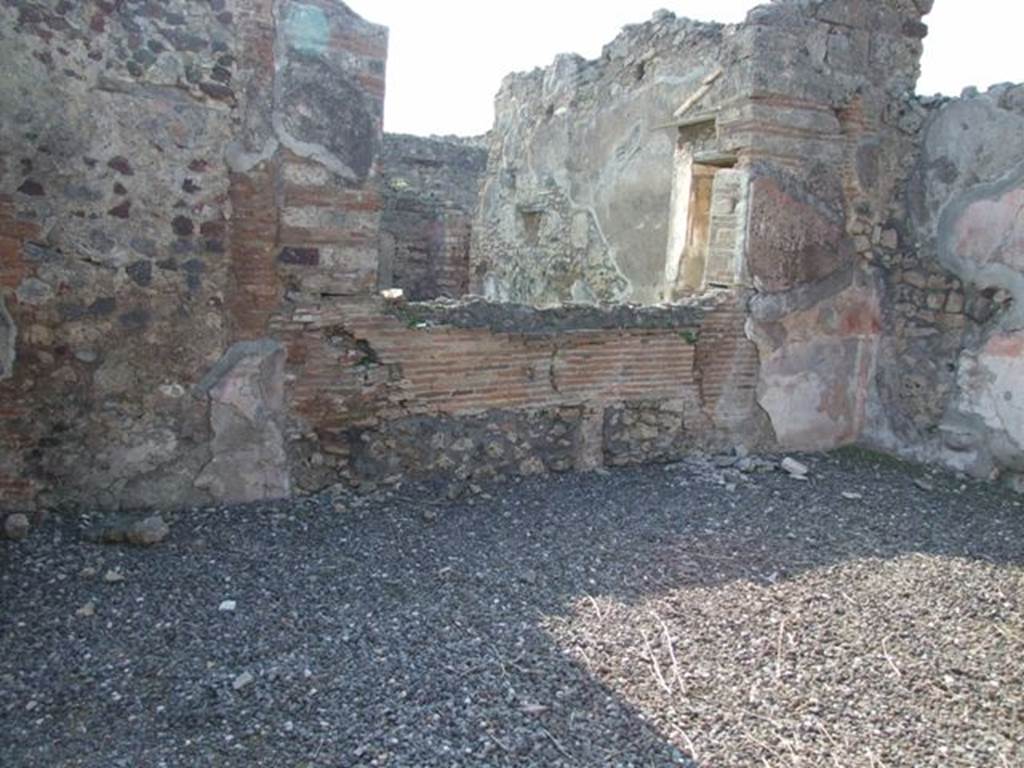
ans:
(478, 390)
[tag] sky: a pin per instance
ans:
(447, 57)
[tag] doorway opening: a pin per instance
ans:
(707, 230)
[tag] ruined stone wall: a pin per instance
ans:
(430, 189)
(169, 173)
(576, 201)
(190, 211)
(191, 199)
(952, 361)
(882, 233)
(796, 131)
(112, 238)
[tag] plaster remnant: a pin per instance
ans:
(990, 389)
(307, 28)
(981, 239)
(321, 111)
(246, 394)
(241, 161)
(8, 341)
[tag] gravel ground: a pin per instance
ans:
(681, 615)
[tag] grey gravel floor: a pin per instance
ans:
(647, 617)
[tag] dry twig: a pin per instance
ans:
(671, 652)
(778, 651)
(888, 658)
(689, 743)
(558, 746)
(654, 662)
(501, 745)
(597, 609)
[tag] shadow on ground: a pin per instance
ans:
(650, 617)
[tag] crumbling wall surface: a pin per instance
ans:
(953, 359)
(828, 128)
(166, 178)
(430, 189)
(304, 161)
(575, 205)
(246, 390)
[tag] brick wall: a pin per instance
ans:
(729, 367)
(365, 373)
(307, 218)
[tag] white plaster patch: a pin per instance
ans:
(991, 386)
(793, 404)
(815, 392)
(992, 231)
(240, 161)
(306, 175)
(981, 239)
(173, 391)
(312, 217)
